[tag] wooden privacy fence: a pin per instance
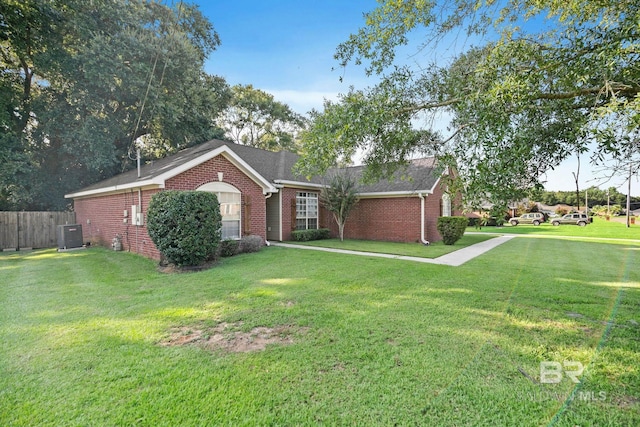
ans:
(19, 230)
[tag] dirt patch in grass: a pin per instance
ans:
(227, 337)
(625, 402)
(168, 268)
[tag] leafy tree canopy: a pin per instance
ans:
(551, 81)
(83, 80)
(255, 118)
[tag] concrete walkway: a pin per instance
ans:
(454, 259)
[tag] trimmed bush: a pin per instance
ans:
(245, 245)
(185, 225)
(451, 228)
(250, 244)
(229, 248)
(307, 235)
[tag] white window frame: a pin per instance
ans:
(307, 207)
(446, 205)
(227, 209)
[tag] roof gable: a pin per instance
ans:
(157, 172)
(225, 151)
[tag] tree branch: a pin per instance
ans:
(457, 131)
(429, 106)
(594, 90)
(615, 87)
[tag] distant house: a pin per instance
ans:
(260, 195)
(560, 207)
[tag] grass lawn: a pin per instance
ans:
(434, 250)
(598, 229)
(98, 337)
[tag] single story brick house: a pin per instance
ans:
(260, 195)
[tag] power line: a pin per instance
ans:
(146, 95)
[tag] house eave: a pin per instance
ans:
(392, 194)
(115, 189)
(298, 184)
(435, 184)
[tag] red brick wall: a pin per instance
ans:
(394, 219)
(390, 219)
(288, 222)
(102, 216)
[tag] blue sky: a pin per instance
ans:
(286, 48)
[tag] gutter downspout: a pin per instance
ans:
(423, 239)
(266, 196)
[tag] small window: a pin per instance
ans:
(306, 211)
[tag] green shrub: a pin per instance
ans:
(451, 228)
(302, 235)
(229, 248)
(245, 245)
(185, 225)
(250, 244)
(306, 235)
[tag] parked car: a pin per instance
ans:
(535, 218)
(574, 218)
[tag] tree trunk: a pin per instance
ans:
(341, 231)
(575, 177)
(629, 196)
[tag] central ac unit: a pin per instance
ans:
(69, 236)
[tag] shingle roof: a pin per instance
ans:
(272, 166)
(419, 175)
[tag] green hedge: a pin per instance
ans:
(229, 248)
(306, 235)
(452, 228)
(247, 244)
(185, 225)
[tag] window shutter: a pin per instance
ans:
(247, 215)
(293, 214)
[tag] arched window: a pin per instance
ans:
(446, 205)
(230, 208)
